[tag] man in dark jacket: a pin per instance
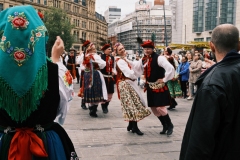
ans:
(108, 73)
(213, 128)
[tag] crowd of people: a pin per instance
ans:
(189, 66)
(97, 74)
(38, 85)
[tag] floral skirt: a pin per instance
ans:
(132, 107)
(93, 94)
(174, 88)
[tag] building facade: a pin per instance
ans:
(89, 25)
(195, 19)
(112, 13)
(144, 22)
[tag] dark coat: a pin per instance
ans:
(213, 127)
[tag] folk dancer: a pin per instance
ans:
(71, 62)
(133, 105)
(157, 72)
(108, 73)
(33, 90)
(81, 72)
(93, 88)
(77, 66)
(173, 84)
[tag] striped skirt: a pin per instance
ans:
(93, 94)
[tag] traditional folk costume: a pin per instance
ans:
(81, 71)
(71, 63)
(173, 85)
(108, 72)
(77, 66)
(31, 91)
(133, 104)
(93, 89)
(175, 90)
(158, 96)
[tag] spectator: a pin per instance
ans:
(189, 57)
(183, 70)
(194, 73)
(213, 127)
(177, 58)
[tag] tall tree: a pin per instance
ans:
(58, 24)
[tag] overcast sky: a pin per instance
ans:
(127, 6)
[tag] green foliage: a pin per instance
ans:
(56, 21)
(153, 37)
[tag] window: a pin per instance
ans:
(84, 35)
(198, 39)
(114, 9)
(1, 7)
(84, 24)
(211, 15)
(227, 14)
(208, 39)
(38, 1)
(45, 2)
(84, 2)
(198, 13)
(75, 36)
(76, 1)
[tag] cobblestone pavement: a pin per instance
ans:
(106, 137)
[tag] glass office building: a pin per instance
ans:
(198, 15)
(207, 14)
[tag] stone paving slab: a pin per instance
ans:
(106, 137)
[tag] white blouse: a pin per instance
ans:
(169, 69)
(123, 66)
(97, 59)
(66, 93)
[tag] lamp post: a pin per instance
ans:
(166, 39)
(138, 35)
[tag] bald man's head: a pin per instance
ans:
(225, 37)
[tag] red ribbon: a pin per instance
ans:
(24, 144)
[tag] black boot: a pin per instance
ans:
(103, 107)
(106, 107)
(83, 106)
(173, 104)
(135, 129)
(93, 110)
(129, 127)
(164, 124)
(169, 124)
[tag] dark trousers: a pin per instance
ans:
(184, 88)
(77, 75)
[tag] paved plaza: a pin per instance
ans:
(106, 137)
